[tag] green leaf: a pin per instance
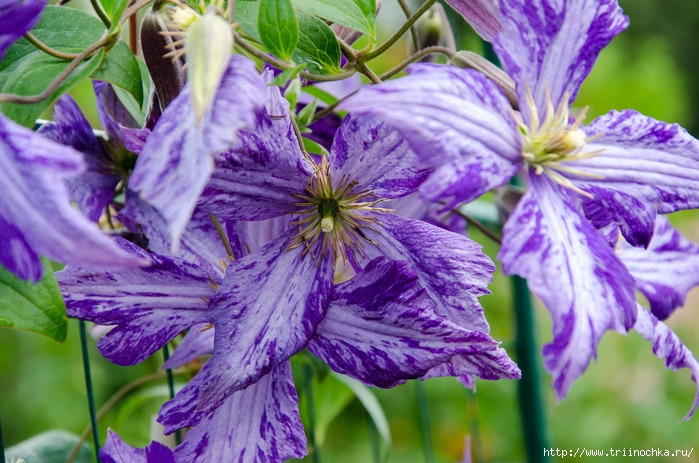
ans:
(33, 307)
(313, 147)
(138, 112)
(114, 9)
(28, 71)
(49, 447)
(278, 27)
(305, 116)
(321, 94)
(246, 14)
(371, 405)
(357, 14)
(330, 398)
(120, 68)
(287, 75)
(317, 45)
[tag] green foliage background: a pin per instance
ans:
(627, 399)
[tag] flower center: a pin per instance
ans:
(550, 142)
(334, 215)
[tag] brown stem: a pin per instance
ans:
(34, 40)
(12, 98)
(414, 57)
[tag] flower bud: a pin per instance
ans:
(208, 42)
(156, 41)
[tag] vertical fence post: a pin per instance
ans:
(90, 392)
(529, 387)
(2, 446)
(425, 426)
(308, 383)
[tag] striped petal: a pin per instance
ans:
(149, 305)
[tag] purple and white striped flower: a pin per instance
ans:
(620, 170)
(18, 17)
(410, 311)
(36, 216)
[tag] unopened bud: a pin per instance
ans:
(157, 40)
(431, 27)
(208, 42)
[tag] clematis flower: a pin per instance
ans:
(108, 160)
(18, 17)
(36, 217)
(620, 170)
(410, 311)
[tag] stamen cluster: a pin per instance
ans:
(335, 215)
(555, 140)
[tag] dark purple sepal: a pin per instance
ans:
(262, 170)
(258, 424)
(17, 18)
(492, 364)
(571, 267)
(177, 159)
(667, 346)
(93, 189)
(111, 111)
(414, 206)
(550, 46)
(266, 310)
(365, 141)
(381, 328)
(149, 305)
(198, 341)
(200, 242)
(666, 271)
(451, 117)
(451, 268)
(482, 15)
(116, 451)
(17, 255)
(644, 165)
(33, 171)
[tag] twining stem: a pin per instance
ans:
(34, 40)
(97, 6)
(330, 108)
(416, 56)
(90, 392)
(133, 9)
(399, 33)
(413, 28)
(482, 228)
(277, 63)
(114, 399)
(12, 98)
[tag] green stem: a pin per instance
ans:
(425, 425)
(416, 56)
(399, 33)
(474, 426)
(171, 386)
(529, 387)
(34, 40)
(90, 392)
(97, 6)
(2, 445)
(413, 28)
(12, 98)
(308, 383)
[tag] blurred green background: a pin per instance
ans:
(627, 399)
